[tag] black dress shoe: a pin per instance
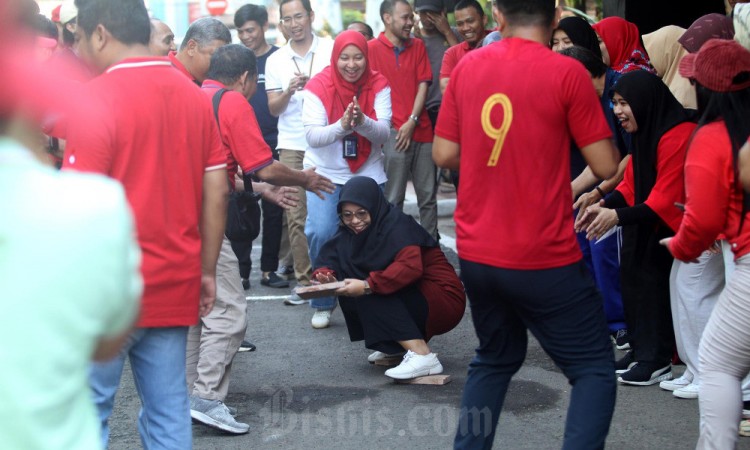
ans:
(274, 281)
(247, 347)
(286, 273)
(245, 284)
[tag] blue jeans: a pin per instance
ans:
(602, 258)
(563, 310)
(320, 226)
(157, 359)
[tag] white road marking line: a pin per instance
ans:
(266, 297)
(449, 242)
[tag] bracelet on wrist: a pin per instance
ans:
(600, 191)
(414, 118)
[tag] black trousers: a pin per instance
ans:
(270, 238)
(644, 281)
(383, 320)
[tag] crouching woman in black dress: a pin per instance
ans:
(400, 289)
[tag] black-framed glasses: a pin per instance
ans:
(298, 18)
(348, 216)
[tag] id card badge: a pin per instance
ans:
(350, 146)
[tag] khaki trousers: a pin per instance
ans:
(295, 218)
(212, 344)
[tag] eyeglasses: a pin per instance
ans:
(348, 216)
(298, 18)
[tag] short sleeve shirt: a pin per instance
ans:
(514, 128)
(153, 130)
(280, 69)
(82, 225)
(240, 133)
(404, 69)
(259, 101)
(452, 56)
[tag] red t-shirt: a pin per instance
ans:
(404, 73)
(713, 203)
(452, 56)
(181, 67)
(154, 132)
(669, 186)
(240, 132)
(514, 205)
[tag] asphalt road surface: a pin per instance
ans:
(314, 389)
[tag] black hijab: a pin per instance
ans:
(656, 111)
(356, 255)
(580, 33)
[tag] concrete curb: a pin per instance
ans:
(446, 207)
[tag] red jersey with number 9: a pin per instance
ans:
(513, 108)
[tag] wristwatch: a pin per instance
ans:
(368, 291)
(414, 118)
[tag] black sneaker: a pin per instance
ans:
(625, 363)
(286, 272)
(273, 280)
(644, 374)
(245, 284)
(621, 340)
(246, 347)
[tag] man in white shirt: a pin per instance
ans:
(287, 71)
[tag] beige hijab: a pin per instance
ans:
(665, 53)
(742, 24)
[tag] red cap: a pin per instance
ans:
(56, 13)
(717, 64)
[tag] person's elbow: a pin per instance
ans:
(445, 153)
(274, 110)
(602, 157)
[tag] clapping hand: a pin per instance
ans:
(353, 115)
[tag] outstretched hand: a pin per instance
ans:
(352, 288)
(318, 184)
(284, 196)
(596, 221)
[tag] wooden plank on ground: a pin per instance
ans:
(437, 380)
(389, 362)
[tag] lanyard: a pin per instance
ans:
(309, 74)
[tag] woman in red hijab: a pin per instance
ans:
(621, 45)
(347, 118)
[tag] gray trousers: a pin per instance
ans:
(417, 162)
(212, 344)
(725, 359)
(694, 290)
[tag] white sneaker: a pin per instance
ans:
(689, 391)
(215, 414)
(321, 318)
(414, 365)
(745, 428)
(673, 385)
(377, 356)
(295, 300)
